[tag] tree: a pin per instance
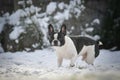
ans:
(21, 31)
(110, 32)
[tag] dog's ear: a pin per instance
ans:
(50, 29)
(63, 29)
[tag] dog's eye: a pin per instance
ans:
(61, 38)
(50, 37)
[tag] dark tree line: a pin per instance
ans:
(110, 31)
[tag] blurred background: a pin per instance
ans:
(23, 23)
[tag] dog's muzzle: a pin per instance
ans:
(55, 43)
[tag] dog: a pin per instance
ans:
(72, 47)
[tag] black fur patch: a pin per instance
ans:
(61, 38)
(81, 41)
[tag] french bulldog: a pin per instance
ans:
(71, 47)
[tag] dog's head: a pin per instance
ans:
(56, 38)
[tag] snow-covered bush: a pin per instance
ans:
(70, 14)
(21, 31)
(29, 22)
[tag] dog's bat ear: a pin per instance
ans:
(63, 29)
(50, 29)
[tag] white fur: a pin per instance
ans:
(89, 52)
(55, 36)
(67, 51)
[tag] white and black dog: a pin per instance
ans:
(72, 47)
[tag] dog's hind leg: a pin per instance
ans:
(84, 56)
(83, 52)
(90, 55)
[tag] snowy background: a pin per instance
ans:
(42, 64)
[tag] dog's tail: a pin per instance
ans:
(100, 43)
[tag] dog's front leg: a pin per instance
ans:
(60, 61)
(72, 63)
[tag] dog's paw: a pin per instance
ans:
(72, 65)
(82, 67)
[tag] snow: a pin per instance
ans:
(2, 22)
(16, 32)
(43, 23)
(96, 37)
(51, 7)
(1, 49)
(77, 12)
(33, 9)
(89, 29)
(86, 25)
(15, 17)
(42, 65)
(59, 16)
(28, 21)
(82, 7)
(108, 58)
(29, 1)
(61, 5)
(21, 3)
(16, 41)
(113, 48)
(35, 45)
(78, 1)
(67, 14)
(95, 21)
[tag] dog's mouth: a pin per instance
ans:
(55, 43)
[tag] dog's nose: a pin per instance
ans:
(55, 42)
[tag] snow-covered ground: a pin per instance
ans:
(42, 65)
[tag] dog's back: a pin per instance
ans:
(86, 47)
